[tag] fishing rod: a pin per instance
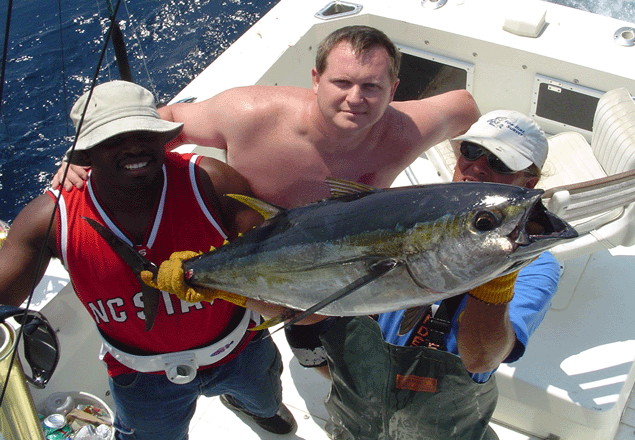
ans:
(3, 67)
(121, 54)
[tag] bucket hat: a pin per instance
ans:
(116, 107)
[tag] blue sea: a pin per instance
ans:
(53, 52)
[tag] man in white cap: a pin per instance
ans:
(434, 379)
(512, 145)
(158, 203)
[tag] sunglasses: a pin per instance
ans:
(472, 152)
(41, 346)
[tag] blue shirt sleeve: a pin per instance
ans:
(535, 286)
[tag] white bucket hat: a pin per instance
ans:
(513, 137)
(115, 108)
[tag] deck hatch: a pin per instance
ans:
(561, 106)
(424, 74)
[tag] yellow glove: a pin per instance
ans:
(497, 291)
(170, 279)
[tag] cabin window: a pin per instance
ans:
(564, 106)
(423, 75)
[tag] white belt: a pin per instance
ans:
(180, 367)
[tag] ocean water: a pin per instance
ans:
(173, 40)
(169, 42)
(620, 9)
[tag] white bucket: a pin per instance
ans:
(64, 402)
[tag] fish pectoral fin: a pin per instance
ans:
(341, 187)
(412, 317)
(266, 210)
(375, 271)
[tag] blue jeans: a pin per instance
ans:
(150, 407)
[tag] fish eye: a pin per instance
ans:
(485, 221)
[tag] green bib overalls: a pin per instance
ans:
(382, 391)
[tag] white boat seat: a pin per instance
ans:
(559, 171)
(604, 216)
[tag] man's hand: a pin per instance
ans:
(170, 279)
(486, 335)
(75, 177)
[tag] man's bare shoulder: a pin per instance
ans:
(264, 99)
(438, 117)
(256, 110)
(32, 223)
(224, 178)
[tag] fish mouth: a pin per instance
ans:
(539, 226)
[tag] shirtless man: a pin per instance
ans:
(286, 140)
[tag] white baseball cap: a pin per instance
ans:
(117, 107)
(513, 137)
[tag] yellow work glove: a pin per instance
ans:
(170, 279)
(497, 291)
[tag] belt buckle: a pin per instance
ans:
(180, 368)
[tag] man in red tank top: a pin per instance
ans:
(158, 203)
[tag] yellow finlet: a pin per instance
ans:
(268, 323)
(266, 210)
(341, 187)
(284, 316)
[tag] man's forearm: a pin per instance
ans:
(486, 335)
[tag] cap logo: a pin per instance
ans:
(503, 123)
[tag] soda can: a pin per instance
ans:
(55, 428)
(55, 421)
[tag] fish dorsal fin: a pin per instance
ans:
(341, 187)
(267, 210)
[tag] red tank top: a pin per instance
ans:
(108, 288)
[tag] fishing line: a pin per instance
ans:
(64, 96)
(97, 3)
(57, 198)
(142, 55)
